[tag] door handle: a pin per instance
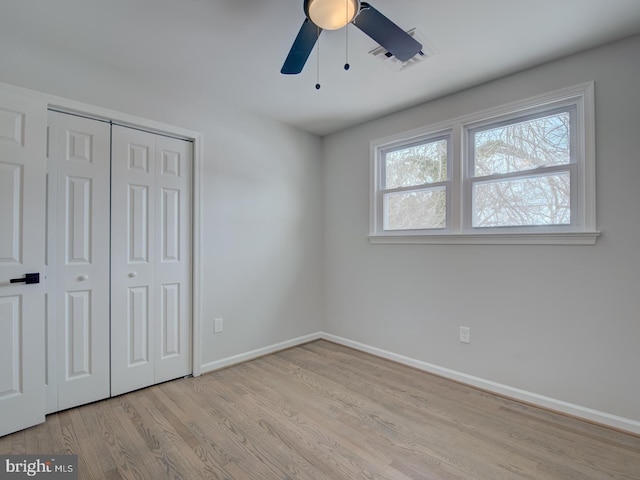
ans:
(29, 278)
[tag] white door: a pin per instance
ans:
(78, 237)
(23, 128)
(151, 259)
(174, 164)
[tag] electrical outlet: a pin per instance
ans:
(218, 325)
(465, 334)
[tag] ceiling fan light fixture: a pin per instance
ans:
(331, 14)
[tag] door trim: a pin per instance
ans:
(69, 106)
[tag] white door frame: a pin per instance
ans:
(79, 108)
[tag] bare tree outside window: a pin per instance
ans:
(417, 165)
(416, 210)
(540, 195)
(423, 166)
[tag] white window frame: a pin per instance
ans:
(582, 231)
(446, 184)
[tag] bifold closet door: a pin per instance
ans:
(78, 261)
(151, 259)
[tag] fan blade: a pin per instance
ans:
(301, 48)
(389, 35)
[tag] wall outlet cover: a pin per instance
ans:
(465, 334)
(218, 325)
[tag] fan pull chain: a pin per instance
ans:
(318, 61)
(346, 33)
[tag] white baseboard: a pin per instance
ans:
(589, 414)
(260, 352)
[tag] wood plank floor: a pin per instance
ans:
(323, 411)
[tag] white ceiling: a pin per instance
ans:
(231, 51)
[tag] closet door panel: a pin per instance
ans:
(78, 220)
(133, 293)
(170, 224)
(79, 153)
(138, 224)
(77, 324)
(138, 327)
(173, 264)
(151, 259)
(170, 321)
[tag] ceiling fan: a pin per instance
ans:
(335, 14)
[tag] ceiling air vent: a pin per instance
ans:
(383, 55)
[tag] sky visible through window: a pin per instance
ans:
(524, 147)
(418, 165)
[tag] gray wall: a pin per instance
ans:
(558, 321)
(261, 229)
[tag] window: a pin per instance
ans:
(521, 173)
(416, 185)
(521, 169)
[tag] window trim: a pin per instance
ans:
(458, 229)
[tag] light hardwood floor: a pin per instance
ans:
(323, 411)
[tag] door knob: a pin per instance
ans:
(133, 274)
(29, 278)
(82, 278)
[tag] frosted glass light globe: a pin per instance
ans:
(331, 14)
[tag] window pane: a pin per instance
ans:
(541, 142)
(417, 165)
(415, 210)
(539, 200)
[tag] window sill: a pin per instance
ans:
(578, 238)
